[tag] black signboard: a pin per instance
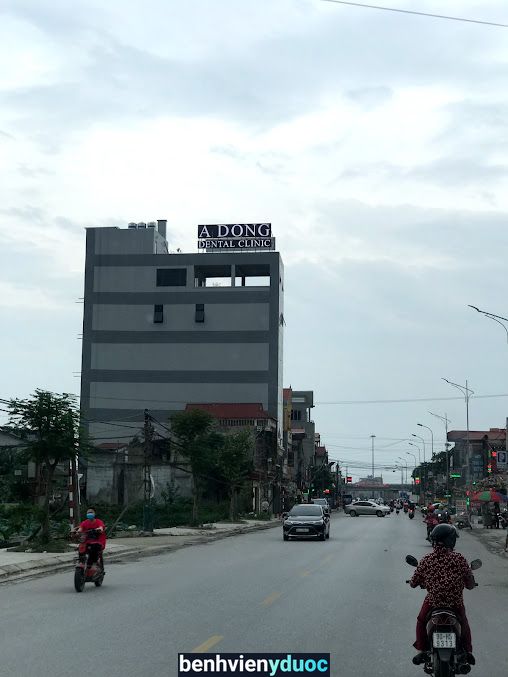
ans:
(235, 230)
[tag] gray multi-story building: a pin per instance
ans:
(303, 432)
(162, 330)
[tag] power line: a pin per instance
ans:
(416, 13)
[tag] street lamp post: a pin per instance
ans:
(495, 318)
(424, 461)
(422, 481)
(403, 461)
(372, 437)
(410, 454)
(423, 442)
(445, 420)
(412, 444)
(431, 436)
(467, 392)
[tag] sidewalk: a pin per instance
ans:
(493, 539)
(15, 566)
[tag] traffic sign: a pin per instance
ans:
(455, 474)
(502, 459)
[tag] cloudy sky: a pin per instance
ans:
(376, 144)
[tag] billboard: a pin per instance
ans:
(224, 236)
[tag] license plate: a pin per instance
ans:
(444, 640)
(302, 531)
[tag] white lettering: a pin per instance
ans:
(204, 232)
(185, 664)
(223, 230)
(250, 230)
(237, 230)
(264, 230)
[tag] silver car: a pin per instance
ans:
(367, 508)
(323, 503)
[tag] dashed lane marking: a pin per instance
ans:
(271, 598)
(211, 641)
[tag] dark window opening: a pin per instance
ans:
(158, 314)
(171, 277)
(291, 459)
(296, 415)
(200, 312)
(252, 275)
(212, 276)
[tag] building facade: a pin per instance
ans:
(162, 330)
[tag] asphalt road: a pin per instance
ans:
(250, 593)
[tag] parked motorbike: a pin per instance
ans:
(463, 521)
(85, 572)
(445, 657)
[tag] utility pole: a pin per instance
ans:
(147, 475)
(372, 437)
(74, 516)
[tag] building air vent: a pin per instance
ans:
(132, 225)
(152, 224)
(141, 224)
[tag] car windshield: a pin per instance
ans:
(305, 511)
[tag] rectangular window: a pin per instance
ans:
(200, 312)
(171, 277)
(296, 415)
(158, 314)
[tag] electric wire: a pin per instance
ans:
(418, 13)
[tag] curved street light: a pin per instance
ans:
(491, 316)
(467, 392)
(412, 444)
(423, 442)
(431, 435)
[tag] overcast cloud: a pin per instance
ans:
(375, 143)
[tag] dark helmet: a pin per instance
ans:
(443, 517)
(444, 534)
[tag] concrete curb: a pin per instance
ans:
(10, 573)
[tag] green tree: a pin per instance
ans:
(235, 464)
(194, 437)
(49, 423)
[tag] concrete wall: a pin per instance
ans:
(218, 317)
(110, 482)
(135, 397)
(180, 356)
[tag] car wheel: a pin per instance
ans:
(286, 538)
(328, 535)
(352, 513)
(379, 513)
(322, 537)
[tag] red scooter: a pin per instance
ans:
(85, 572)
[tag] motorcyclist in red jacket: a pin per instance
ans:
(97, 543)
